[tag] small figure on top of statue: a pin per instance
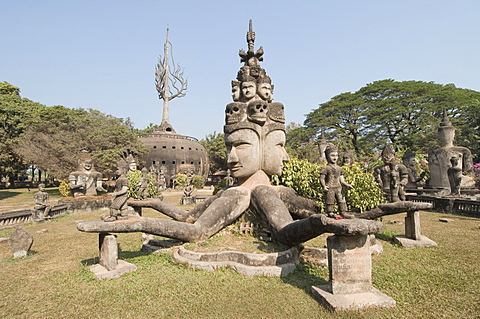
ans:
(332, 181)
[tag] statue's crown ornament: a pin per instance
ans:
(253, 94)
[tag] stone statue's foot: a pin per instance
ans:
(347, 215)
(109, 219)
(122, 217)
(347, 226)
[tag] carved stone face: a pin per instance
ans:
(264, 91)
(388, 159)
(447, 135)
(332, 157)
(87, 165)
(249, 90)
(236, 93)
(274, 153)
(257, 111)
(243, 153)
(235, 112)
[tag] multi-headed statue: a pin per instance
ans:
(255, 138)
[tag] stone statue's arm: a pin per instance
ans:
(323, 174)
(343, 183)
(123, 191)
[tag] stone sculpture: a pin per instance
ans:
(349, 158)
(143, 184)
(20, 242)
(42, 204)
(119, 207)
(86, 181)
(409, 162)
(392, 177)
(455, 176)
(439, 159)
(255, 137)
(332, 181)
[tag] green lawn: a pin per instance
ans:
(54, 281)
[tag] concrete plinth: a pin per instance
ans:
(354, 301)
(109, 265)
(350, 276)
(413, 237)
(423, 241)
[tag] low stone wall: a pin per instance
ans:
(449, 205)
(86, 205)
(17, 217)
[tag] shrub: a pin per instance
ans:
(181, 180)
(133, 187)
(304, 178)
(198, 181)
(64, 188)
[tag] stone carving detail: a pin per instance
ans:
(439, 160)
(119, 207)
(86, 181)
(392, 177)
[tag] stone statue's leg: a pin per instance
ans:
(164, 208)
(221, 212)
(297, 205)
(266, 201)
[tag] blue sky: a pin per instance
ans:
(102, 54)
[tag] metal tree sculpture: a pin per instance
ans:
(169, 82)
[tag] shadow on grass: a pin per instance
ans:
(123, 255)
(304, 277)
(9, 194)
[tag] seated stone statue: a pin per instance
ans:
(332, 181)
(409, 162)
(392, 177)
(42, 203)
(86, 181)
(439, 159)
(119, 207)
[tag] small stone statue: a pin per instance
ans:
(229, 179)
(332, 180)
(143, 184)
(42, 204)
(86, 181)
(409, 162)
(119, 207)
(349, 158)
(455, 176)
(392, 177)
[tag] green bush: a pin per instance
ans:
(133, 187)
(221, 184)
(181, 180)
(304, 178)
(198, 181)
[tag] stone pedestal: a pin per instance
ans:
(109, 266)
(413, 237)
(350, 280)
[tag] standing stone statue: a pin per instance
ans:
(229, 179)
(143, 184)
(439, 159)
(409, 162)
(332, 180)
(119, 207)
(349, 158)
(455, 176)
(392, 177)
(86, 181)
(42, 204)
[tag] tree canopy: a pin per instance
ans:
(404, 114)
(55, 140)
(214, 144)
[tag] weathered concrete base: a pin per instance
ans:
(109, 265)
(423, 241)
(352, 301)
(274, 264)
(122, 267)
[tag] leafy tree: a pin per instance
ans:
(16, 114)
(55, 140)
(405, 114)
(214, 144)
(300, 142)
